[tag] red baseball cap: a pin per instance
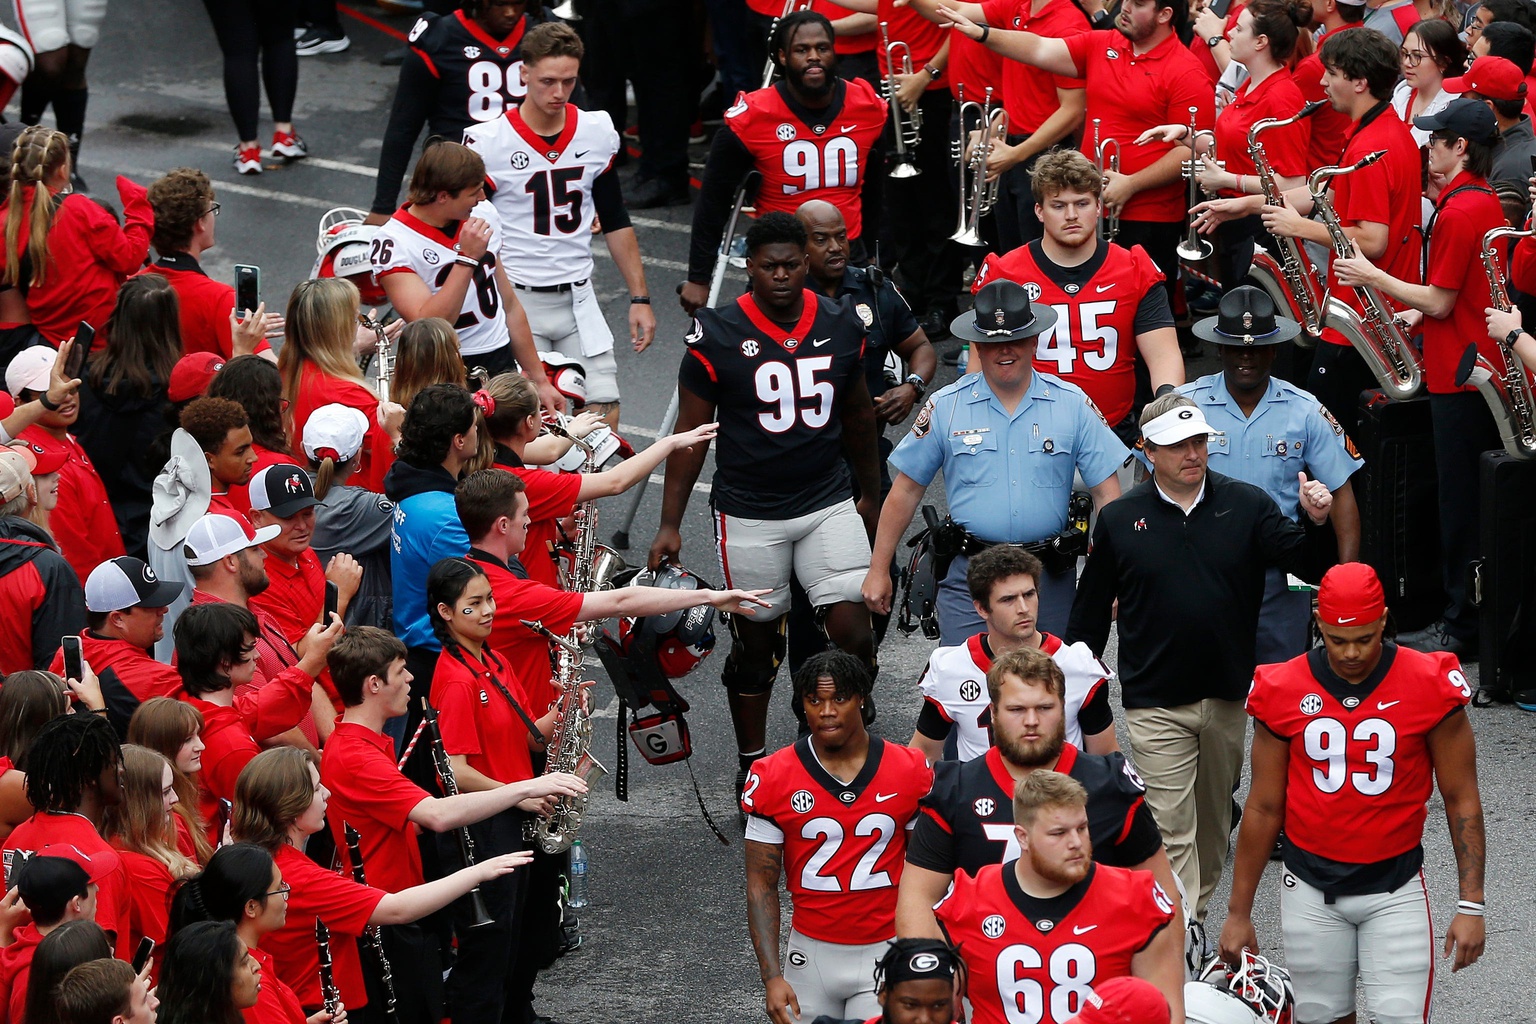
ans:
(1495, 78)
(1124, 1001)
(97, 865)
(1350, 595)
(192, 375)
(43, 460)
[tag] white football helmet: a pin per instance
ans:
(568, 376)
(1254, 992)
(16, 61)
(343, 245)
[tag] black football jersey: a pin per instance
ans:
(478, 77)
(777, 392)
(967, 820)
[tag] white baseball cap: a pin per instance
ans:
(30, 370)
(126, 582)
(219, 534)
(335, 430)
(15, 472)
(1176, 425)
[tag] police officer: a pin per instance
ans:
(1009, 440)
(1266, 431)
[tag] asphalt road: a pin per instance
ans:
(665, 937)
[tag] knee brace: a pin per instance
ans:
(748, 676)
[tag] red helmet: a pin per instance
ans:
(680, 639)
(343, 244)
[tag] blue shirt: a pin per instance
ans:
(1008, 478)
(1289, 431)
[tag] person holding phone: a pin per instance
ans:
(282, 496)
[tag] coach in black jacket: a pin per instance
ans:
(1185, 553)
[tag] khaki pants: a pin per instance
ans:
(1191, 757)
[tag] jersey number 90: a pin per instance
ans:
(834, 164)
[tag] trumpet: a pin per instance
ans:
(567, 11)
(908, 127)
(1507, 392)
(1106, 157)
(1194, 248)
(973, 172)
(383, 362)
(770, 69)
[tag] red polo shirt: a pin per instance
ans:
(205, 305)
(526, 652)
(1329, 127)
(274, 656)
(296, 595)
(16, 968)
(369, 793)
(975, 67)
(276, 1003)
(1029, 94)
(1462, 215)
(43, 829)
(232, 733)
(1387, 192)
(343, 905)
(1285, 148)
(83, 522)
(551, 496)
(239, 495)
(907, 26)
(1133, 92)
(476, 719)
(149, 896)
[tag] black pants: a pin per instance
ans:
(637, 41)
(538, 937)
(920, 212)
(252, 31)
(416, 967)
(481, 988)
(321, 14)
(421, 662)
(494, 363)
(1338, 376)
(1161, 240)
(1464, 429)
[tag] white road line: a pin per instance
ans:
(629, 428)
(662, 225)
(650, 261)
(313, 161)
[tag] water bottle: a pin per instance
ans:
(578, 891)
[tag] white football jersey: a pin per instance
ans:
(544, 191)
(955, 682)
(406, 243)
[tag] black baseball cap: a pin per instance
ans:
(1466, 119)
(283, 490)
(1003, 312)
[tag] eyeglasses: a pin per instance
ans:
(282, 890)
(213, 209)
(1411, 58)
(1444, 138)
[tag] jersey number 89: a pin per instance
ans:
(1072, 969)
(490, 91)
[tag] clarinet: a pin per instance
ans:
(371, 933)
(330, 995)
(480, 916)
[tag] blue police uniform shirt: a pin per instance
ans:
(1008, 478)
(1289, 431)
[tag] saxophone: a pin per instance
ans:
(383, 366)
(1378, 336)
(1507, 391)
(1292, 280)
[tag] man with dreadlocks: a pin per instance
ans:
(73, 777)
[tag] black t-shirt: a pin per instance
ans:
(777, 391)
(967, 819)
(886, 317)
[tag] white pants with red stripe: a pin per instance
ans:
(54, 24)
(1385, 939)
(831, 979)
(827, 550)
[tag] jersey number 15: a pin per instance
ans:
(557, 200)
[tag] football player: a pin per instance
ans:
(460, 69)
(835, 807)
(809, 136)
(1037, 933)
(1004, 582)
(783, 368)
(1359, 732)
(1108, 300)
(551, 166)
(968, 821)
(917, 983)
(437, 257)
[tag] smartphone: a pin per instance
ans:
(141, 955)
(85, 336)
(247, 289)
(73, 668)
(332, 599)
(13, 859)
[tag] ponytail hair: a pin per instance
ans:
(1280, 21)
(38, 154)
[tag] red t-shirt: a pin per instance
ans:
(526, 652)
(276, 1003)
(317, 389)
(343, 905)
(369, 793)
(1130, 93)
(296, 596)
(476, 719)
(551, 496)
(1329, 127)
(907, 26)
(112, 913)
(16, 969)
(83, 523)
(975, 67)
(1056, 949)
(232, 733)
(1368, 764)
(1387, 192)
(1029, 94)
(149, 896)
(205, 305)
(861, 43)
(1285, 148)
(1466, 209)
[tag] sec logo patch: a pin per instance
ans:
(993, 926)
(785, 132)
(519, 161)
(984, 807)
(1033, 290)
(749, 348)
(970, 691)
(802, 801)
(471, 52)
(431, 256)
(1311, 704)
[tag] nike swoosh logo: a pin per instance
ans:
(1345, 620)
(583, 153)
(1382, 705)
(881, 798)
(1222, 512)
(1102, 288)
(818, 344)
(847, 127)
(1084, 931)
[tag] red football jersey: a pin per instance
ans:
(797, 162)
(1093, 344)
(1359, 754)
(1037, 960)
(844, 845)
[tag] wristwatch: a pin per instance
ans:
(918, 384)
(1215, 41)
(1512, 337)
(934, 74)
